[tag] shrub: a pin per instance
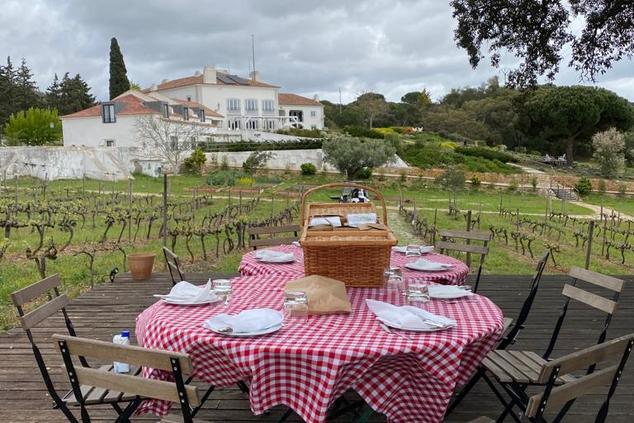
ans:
(622, 189)
(356, 157)
(513, 185)
(475, 181)
(602, 188)
(487, 153)
(255, 161)
(534, 183)
(33, 127)
(583, 186)
(246, 181)
(452, 179)
(609, 148)
(301, 132)
(361, 132)
(365, 173)
(193, 164)
(223, 178)
(308, 169)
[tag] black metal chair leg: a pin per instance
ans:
(202, 400)
(464, 391)
(285, 416)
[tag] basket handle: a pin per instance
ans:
(343, 185)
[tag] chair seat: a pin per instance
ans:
(94, 395)
(508, 322)
(518, 366)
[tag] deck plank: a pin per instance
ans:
(109, 308)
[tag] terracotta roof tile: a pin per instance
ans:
(296, 100)
(221, 79)
(129, 105)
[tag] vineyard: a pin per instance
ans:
(85, 229)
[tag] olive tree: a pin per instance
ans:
(609, 152)
(353, 156)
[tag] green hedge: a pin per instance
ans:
(430, 155)
(487, 153)
(214, 147)
(361, 132)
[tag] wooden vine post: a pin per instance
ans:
(129, 208)
(468, 241)
(589, 243)
(164, 209)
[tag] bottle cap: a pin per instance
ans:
(125, 333)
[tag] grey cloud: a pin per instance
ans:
(317, 47)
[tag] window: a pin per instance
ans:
(313, 113)
(189, 98)
(166, 110)
(233, 104)
(185, 113)
(252, 124)
(251, 105)
(201, 113)
(109, 143)
(173, 142)
(268, 105)
(269, 124)
(235, 124)
(297, 114)
(108, 113)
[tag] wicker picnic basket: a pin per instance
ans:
(351, 255)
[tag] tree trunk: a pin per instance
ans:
(570, 144)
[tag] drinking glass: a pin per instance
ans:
(412, 250)
(295, 304)
(222, 288)
(394, 280)
(417, 291)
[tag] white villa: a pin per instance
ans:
(218, 102)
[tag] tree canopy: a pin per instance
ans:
(119, 82)
(536, 32)
(353, 156)
(33, 127)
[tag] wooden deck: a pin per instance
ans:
(110, 308)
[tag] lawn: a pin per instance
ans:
(622, 204)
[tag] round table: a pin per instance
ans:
(250, 266)
(309, 363)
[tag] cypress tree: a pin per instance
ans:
(118, 74)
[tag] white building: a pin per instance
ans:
(114, 123)
(249, 104)
(308, 113)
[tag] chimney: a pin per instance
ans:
(255, 76)
(316, 97)
(209, 75)
(197, 73)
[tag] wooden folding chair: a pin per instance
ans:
(134, 385)
(447, 242)
(173, 266)
(267, 236)
(554, 396)
(56, 302)
(512, 329)
(520, 368)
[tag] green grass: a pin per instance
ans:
(622, 204)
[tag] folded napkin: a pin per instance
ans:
(247, 321)
(423, 264)
(448, 292)
(334, 221)
(424, 249)
(325, 295)
(186, 292)
(273, 255)
(408, 317)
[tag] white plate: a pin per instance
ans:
(186, 303)
(424, 249)
(452, 294)
(428, 329)
(245, 334)
(444, 269)
(276, 261)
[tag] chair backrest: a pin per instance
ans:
(528, 303)
(466, 246)
(177, 364)
(56, 302)
(598, 302)
(173, 266)
(267, 236)
(614, 352)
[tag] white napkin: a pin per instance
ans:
(335, 221)
(185, 292)
(356, 219)
(274, 256)
(423, 264)
(424, 249)
(408, 317)
(448, 292)
(247, 321)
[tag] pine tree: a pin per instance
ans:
(26, 92)
(118, 74)
(54, 94)
(7, 91)
(74, 95)
(84, 98)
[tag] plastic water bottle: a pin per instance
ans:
(123, 339)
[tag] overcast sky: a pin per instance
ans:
(307, 47)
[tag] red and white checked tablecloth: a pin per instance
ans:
(310, 362)
(457, 275)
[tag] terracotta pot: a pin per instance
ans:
(141, 265)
